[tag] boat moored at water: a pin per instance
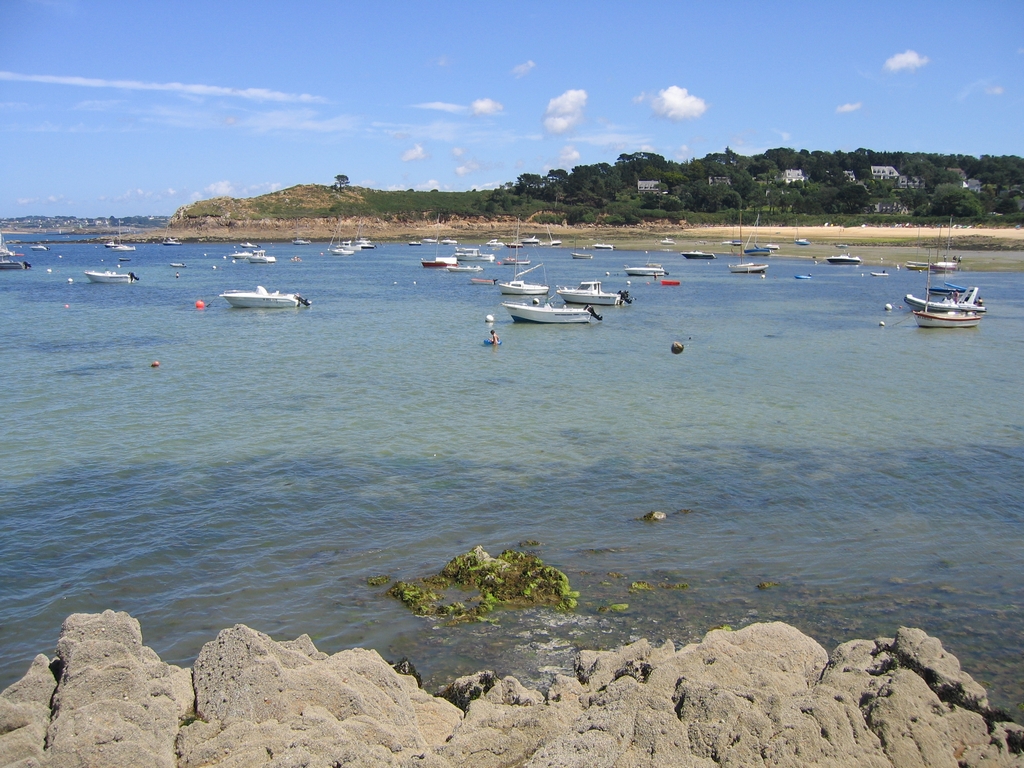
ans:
(748, 268)
(604, 246)
(648, 270)
(966, 300)
(109, 276)
(844, 258)
(171, 241)
(536, 312)
(590, 292)
(946, 319)
(260, 256)
(261, 298)
(464, 253)
(698, 255)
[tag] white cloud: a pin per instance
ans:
(193, 89)
(485, 107)
(648, 148)
(442, 106)
(907, 60)
(467, 168)
(994, 90)
(569, 156)
(523, 69)
(677, 103)
(683, 152)
(416, 153)
(27, 200)
(220, 189)
(458, 151)
(429, 184)
(852, 107)
(565, 112)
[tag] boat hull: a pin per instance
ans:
(748, 269)
(516, 288)
(645, 271)
(698, 255)
(602, 299)
(263, 299)
(109, 277)
(546, 314)
(9, 264)
(949, 319)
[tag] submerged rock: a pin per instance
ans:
(763, 695)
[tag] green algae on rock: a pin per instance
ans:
(512, 579)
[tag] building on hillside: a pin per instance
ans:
(891, 207)
(973, 185)
(712, 180)
(791, 175)
(910, 182)
(884, 173)
(648, 186)
(850, 176)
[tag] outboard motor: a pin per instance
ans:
(590, 309)
(132, 277)
(302, 301)
(624, 295)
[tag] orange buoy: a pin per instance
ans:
(155, 364)
(200, 304)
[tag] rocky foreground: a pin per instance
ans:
(764, 695)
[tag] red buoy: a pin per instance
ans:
(155, 364)
(200, 304)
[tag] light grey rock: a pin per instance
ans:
(116, 703)
(915, 650)
(25, 715)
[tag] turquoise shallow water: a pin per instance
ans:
(276, 459)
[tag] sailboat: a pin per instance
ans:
(757, 250)
(552, 243)
(6, 262)
(579, 254)
(747, 267)
(299, 240)
(340, 249)
(933, 317)
(439, 261)
(519, 287)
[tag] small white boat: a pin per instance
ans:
(449, 241)
(110, 244)
(604, 246)
(39, 247)
(581, 255)
(250, 246)
(122, 247)
(301, 241)
(109, 276)
(802, 241)
(844, 258)
(429, 241)
(465, 268)
(968, 301)
(519, 287)
(748, 268)
(917, 266)
(262, 298)
(536, 312)
(948, 319)
(472, 254)
(178, 264)
(171, 241)
(364, 243)
(589, 292)
(260, 257)
(883, 273)
(698, 255)
(530, 241)
(342, 250)
(943, 267)
(240, 255)
(648, 270)
(552, 243)
(494, 243)
(667, 241)
(415, 242)
(772, 247)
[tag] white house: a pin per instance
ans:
(850, 175)
(973, 185)
(712, 180)
(910, 182)
(792, 175)
(648, 186)
(884, 173)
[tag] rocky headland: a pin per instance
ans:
(763, 695)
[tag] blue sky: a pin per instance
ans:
(129, 108)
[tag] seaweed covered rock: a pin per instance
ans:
(512, 579)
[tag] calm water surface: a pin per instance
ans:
(276, 459)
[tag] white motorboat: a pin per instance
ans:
(772, 247)
(262, 298)
(171, 241)
(947, 319)
(343, 250)
(179, 264)
(260, 256)
(698, 255)
(428, 241)
(365, 243)
(449, 241)
(415, 242)
(472, 254)
(301, 241)
(582, 255)
(465, 268)
(648, 270)
(109, 276)
(250, 246)
(604, 246)
(748, 268)
(519, 287)
(966, 301)
(530, 241)
(39, 247)
(589, 292)
(122, 247)
(440, 262)
(943, 267)
(844, 258)
(494, 243)
(667, 241)
(802, 241)
(536, 312)
(6, 262)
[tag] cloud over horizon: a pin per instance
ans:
(192, 89)
(523, 69)
(416, 153)
(565, 112)
(907, 60)
(843, 108)
(676, 104)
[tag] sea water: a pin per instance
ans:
(276, 459)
